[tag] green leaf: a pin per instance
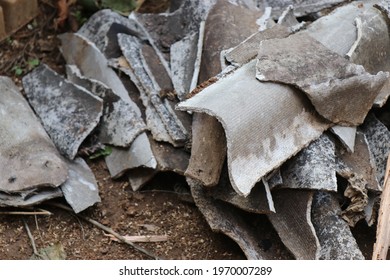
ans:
(122, 6)
(102, 153)
(17, 70)
(32, 63)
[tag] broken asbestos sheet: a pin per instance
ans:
(340, 91)
(29, 160)
(334, 234)
(260, 136)
(69, 113)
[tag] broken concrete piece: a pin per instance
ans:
(28, 158)
(292, 221)
(69, 113)
(340, 91)
(312, 168)
(208, 150)
(378, 139)
(260, 136)
(120, 124)
(29, 198)
(81, 189)
(336, 239)
(226, 26)
(347, 135)
(225, 219)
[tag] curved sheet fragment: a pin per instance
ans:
(334, 234)
(28, 157)
(29, 198)
(292, 221)
(260, 136)
(340, 91)
(227, 220)
(312, 168)
(69, 113)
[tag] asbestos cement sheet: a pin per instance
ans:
(29, 198)
(265, 123)
(227, 220)
(258, 201)
(81, 189)
(93, 64)
(208, 150)
(292, 221)
(340, 91)
(378, 139)
(313, 168)
(227, 25)
(248, 49)
(301, 8)
(28, 157)
(334, 234)
(97, 27)
(69, 113)
(347, 135)
(120, 124)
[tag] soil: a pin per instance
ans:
(156, 210)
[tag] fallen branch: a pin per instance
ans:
(31, 239)
(382, 243)
(106, 229)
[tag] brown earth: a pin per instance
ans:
(158, 210)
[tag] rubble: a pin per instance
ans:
(280, 117)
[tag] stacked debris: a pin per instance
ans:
(262, 113)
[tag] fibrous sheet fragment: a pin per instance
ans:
(28, 158)
(340, 91)
(260, 137)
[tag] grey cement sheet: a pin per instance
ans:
(292, 221)
(120, 124)
(340, 91)
(346, 135)
(334, 234)
(28, 157)
(81, 189)
(260, 134)
(29, 198)
(312, 168)
(69, 113)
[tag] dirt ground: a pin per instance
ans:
(157, 210)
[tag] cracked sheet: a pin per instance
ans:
(312, 168)
(92, 64)
(28, 157)
(120, 124)
(340, 91)
(68, 113)
(260, 136)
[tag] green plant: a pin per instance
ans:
(102, 153)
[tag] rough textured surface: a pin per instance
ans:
(378, 139)
(208, 150)
(28, 158)
(68, 113)
(80, 190)
(312, 168)
(260, 136)
(340, 91)
(336, 239)
(120, 124)
(292, 221)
